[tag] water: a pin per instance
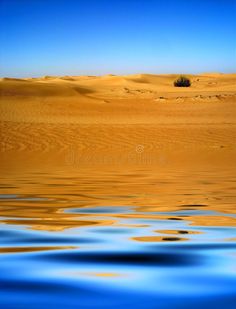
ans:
(116, 237)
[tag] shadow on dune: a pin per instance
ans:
(13, 87)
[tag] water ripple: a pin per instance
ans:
(111, 239)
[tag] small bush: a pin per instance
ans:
(182, 81)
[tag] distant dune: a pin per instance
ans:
(113, 113)
(112, 86)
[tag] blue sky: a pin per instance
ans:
(80, 37)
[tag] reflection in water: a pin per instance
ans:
(158, 238)
(108, 238)
(29, 249)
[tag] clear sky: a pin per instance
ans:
(81, 37)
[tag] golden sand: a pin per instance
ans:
(117, 113)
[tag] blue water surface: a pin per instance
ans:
(112, 239)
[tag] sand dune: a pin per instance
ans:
(112, 86)
(118, 112)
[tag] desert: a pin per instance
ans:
(117, 154)
(115, 113)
